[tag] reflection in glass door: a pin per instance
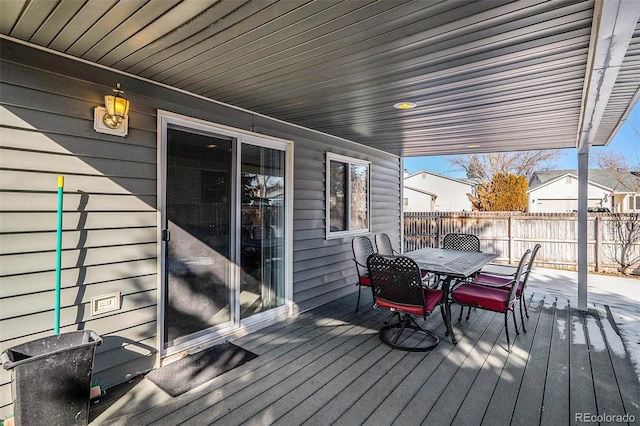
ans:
(198, 230)
(262, 233)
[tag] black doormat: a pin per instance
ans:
(193, 370)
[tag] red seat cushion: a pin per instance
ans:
(491, 298)
(431, 299)
(366, 281)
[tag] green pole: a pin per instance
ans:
(56, 328)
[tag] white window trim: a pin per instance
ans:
(330, 156)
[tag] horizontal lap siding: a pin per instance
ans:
(109, 239)
(110, 207)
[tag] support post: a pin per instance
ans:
(583, 189)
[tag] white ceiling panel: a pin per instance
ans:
(495, 75)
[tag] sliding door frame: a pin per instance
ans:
(254, 322)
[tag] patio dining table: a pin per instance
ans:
(452, 264)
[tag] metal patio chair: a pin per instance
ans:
(462, 242)
(362, 249)
(396, 282)
(497, 299)
(384, 246)
(502, 275)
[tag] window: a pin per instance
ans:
(634, 202)
(347, 195)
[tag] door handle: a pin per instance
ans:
(166, 235)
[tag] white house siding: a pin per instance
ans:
(110, 237)
(417, 201)
(451, 194)
(561, 196)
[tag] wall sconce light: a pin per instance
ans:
(113, 119)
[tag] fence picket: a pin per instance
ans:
(512, 233)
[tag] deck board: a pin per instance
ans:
(582, 398)
(328, 367)
(503, 400)
(625, 379)
(528, 408)
(607, 392)
(555, 404)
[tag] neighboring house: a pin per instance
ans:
(556, 191)
(429, 192)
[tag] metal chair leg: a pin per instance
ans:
(521, 316)
(523, 300)
(514, 320)
(506, 329)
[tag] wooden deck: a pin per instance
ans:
(327, 366)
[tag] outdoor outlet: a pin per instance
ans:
(105, 303)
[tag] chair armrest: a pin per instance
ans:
(359, 264)
(507, 281)
(426, 280)
(499, 270)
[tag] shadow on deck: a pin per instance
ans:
(327, 366)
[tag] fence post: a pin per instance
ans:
(510, 235)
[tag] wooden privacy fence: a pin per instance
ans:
(511, 233)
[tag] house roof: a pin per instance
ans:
(486, 76)
(422, 191)
(601, 177)
(469, 182)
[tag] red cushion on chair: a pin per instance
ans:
(366, 281)
(491, 298)
(431, 298)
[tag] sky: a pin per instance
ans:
(625, 142)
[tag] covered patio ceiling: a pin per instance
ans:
(490, 75)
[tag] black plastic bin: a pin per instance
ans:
(51, 378)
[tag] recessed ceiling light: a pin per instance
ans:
(212, 146)
(472, 146)
(405, 105)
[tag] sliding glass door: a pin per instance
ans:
(263, 226)
(223, 215)
(198, 211)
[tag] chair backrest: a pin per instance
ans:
(519, 275)
(461, 242)
(383, 245)
(362, 249)
(529, 265)
(396, 280)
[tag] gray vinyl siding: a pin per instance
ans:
(110, 234)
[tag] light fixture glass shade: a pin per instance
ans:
(117, 108)
(405, 105)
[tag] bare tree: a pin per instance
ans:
(521, 163)
(625, 227)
